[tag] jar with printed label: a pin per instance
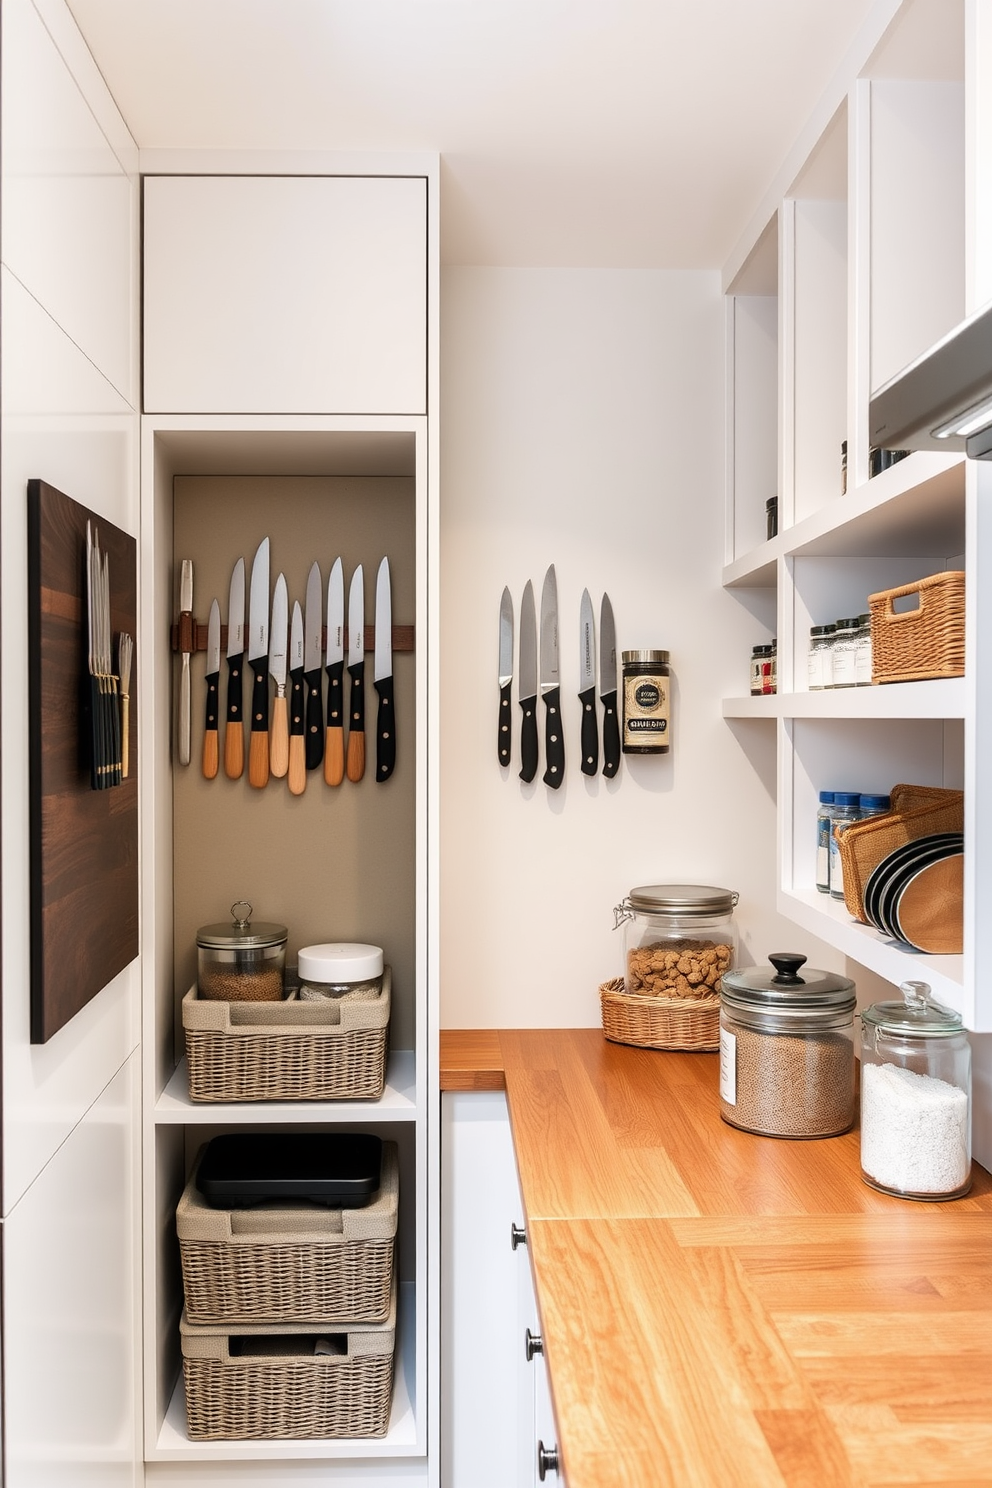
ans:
(646, 703)
(820, 657)
(862, 658)
(845, 810)
(823, 841)
(844, 653)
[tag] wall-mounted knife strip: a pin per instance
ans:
(192, 636)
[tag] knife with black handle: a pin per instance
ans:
(258, 660)
(608, 684)
(382, 676)
(589, 736)
(355, 762)
(313, 670)
(297, 774)
(554, 737)
(234, 727)
(505, 677)
(528, 685)
(334, 736)
(211, 753)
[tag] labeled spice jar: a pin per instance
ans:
(646, 702)
(242, 961)
(862, 656)
(915, 1097)
(678, 939)
(844, 652)
(343, 969)
(820, 657)
(787, 1050)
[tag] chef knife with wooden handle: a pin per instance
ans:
(210, 736)
(234, 726)
(385, 724)
(258, 660)
(334, 738)
(297, 708)
(312, 669)
(355, 764)
(279, 733)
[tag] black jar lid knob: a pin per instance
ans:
(787, 964)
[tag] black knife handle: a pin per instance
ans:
(590, 732)
(554, 739)
(235, 665)
(335, 695)
(296, 703)
(528, 739)
(385, 731)
(356, 705)
(315, 719)
(503, 737)
(260, 696)
(611, 734)
(213, 689)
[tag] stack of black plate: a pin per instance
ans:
(916, 893)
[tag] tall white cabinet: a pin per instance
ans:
(289, 390)
(857, 264)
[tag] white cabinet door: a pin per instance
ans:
(285, 294)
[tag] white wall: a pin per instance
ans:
(68, 359)
(581, 424)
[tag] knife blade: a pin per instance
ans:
(587, 686)
(210, 744)
(185, 633)
(528, 684)
(125, 658)
(312, 669)
(279, 739)
(234, 727)
(355, 767)
(297, 746)
(334, 738)
(608, 688)
(504, 734)
(258, 660)
(385, 725)
(554, 740)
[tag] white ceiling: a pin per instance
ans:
(572, 132)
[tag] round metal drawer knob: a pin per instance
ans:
(533, 1344)
(518, 1236)
(547, 1460)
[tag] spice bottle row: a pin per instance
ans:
(838, 810)
(840, 653)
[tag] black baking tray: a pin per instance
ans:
(243, 1169)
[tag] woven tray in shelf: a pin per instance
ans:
(659, 1022)
(293, 1263)
(287, 1051)
(919, 643)
(272, 1385)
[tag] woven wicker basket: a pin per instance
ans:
(287, 1051)
(277, 1387)
(289, 1264)
(917, 811)
(659, 1022)
(919, 643)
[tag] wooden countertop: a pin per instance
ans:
(722, 1309)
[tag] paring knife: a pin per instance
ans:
(355, 768)
(297, 746)
(258, 660)
(587, 686)
(334, 740)
(385, 726)
(608, 688)
(279, 740)
(210, 744)
(185, 623)
(528, 685)
(312, 669)
(503, 738)
(554, 739)
(234, 727)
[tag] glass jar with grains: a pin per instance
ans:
(678, 939)
(241, 962)
(787, 1050)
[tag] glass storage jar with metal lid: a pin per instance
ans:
(241, 962)
(678, 939)
(787, 1050)
(915, 1097)
(340, 969)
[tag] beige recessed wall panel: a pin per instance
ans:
(333, 863)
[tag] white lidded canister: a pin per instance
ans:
(340, 969)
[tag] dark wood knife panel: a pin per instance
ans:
(336, 863)
(83, 843)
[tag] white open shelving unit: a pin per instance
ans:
(855, 264)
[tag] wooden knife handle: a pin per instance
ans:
(184, 706)
(258, 759)
(125, 713)
(297, 764)
(334, 756)
(234, 750)
(356, 755)
(210, 754)
(279, 740)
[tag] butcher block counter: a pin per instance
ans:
(723, 1309)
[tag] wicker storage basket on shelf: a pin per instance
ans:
(244, 1386)
(299, 1263)
(921, 643)
(917, 811)
(287, 1051)
(659, 1022)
